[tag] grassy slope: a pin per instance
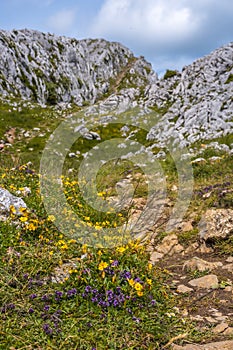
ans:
(38, 314)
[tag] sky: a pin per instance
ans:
(168, 33)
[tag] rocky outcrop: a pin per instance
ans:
(10, 202)
(189, 106)
(197, 103)
(216, 224)
(185, 107)
(51, 69)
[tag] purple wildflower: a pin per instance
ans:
(47, 329)
(33, 296)
(109, 271)
(88, 289)
(45, 297)
(137, 279)
(125, 275)
(137, 320)
(71, 293)
(58, 295)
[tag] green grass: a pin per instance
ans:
(34, 317)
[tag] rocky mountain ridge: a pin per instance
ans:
(195, 104)
(50, 69)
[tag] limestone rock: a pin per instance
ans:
(216, 224)
(228, 331)
(184, 289)
(7, 200)
(52, 69)
(167, 244)
(220, 328)
(223, 345)
(201, 265)
(155, 256)
(209, 281)
(199, 97)
(187, 226)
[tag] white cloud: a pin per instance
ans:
(62, 20)
(148, 21)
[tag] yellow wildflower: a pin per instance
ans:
(84, 248)
(140, 294)
(138, 286)
(31, 227)
(23, 219)
(131, 282)
(64, 246)
(12, 209)
(149, 281)
(120, 249)
(102, 265)
(113, 278)
(23, 211)
(51, 218)
(150, 266)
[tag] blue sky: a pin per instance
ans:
(169, 33)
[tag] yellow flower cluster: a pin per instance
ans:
(137, 286)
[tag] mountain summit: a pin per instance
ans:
(51, 69)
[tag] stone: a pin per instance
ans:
(221, 318)
(203, 249)
(155, 256)
(7, 200)
(91, 135)
(220, 328)
(228, 267)
(187, 226)
(192, 247)
(216, 224)
(197, 318)
(201, 265)
(209, 281)
(178, 248)
(199, 160)
(211, 319)
(184, 289)
(167, 244)
(230, 259)
(228, 331)
(222, 345)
